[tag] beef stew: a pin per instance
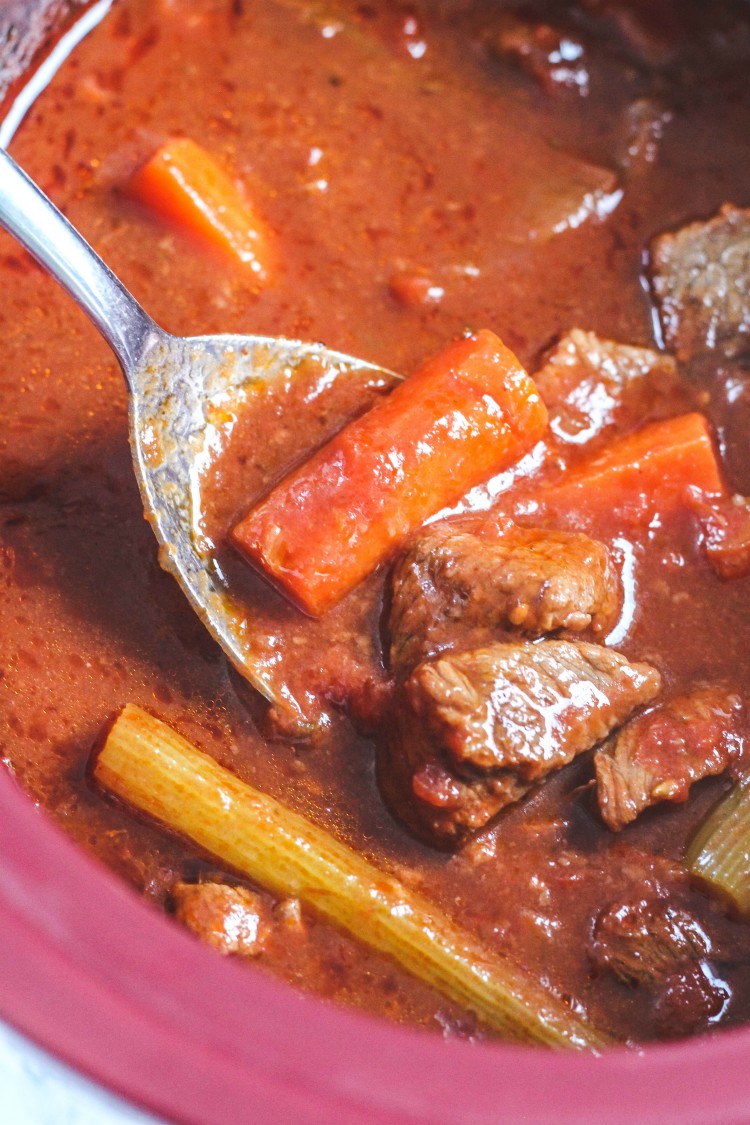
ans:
(476, 183)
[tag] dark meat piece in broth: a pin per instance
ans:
(701, 280)
(725, 523)
(231, 919)
(642, 942)
(658, 756)
(692, 999)
(460, 588)
(478, 729)
(658, 945)
(591, 385)
(530, 708)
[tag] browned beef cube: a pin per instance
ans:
(458, 588)
(440, 803)
(725, 522)
(590, 385)
(658, 756)
(231, 919)
(529, 708)
(658, 945)
(701, 280)
(478, 729)
(692, 999)
(642, 942)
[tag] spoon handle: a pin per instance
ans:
(27, 214)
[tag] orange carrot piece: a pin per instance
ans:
(184, 184)
(467, 413)
(643, 474)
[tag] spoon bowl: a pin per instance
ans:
(182, 390)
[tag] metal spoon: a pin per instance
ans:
(179, 387)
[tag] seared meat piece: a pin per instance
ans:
(642, 942)
(440, 804)
(725, 522)
(456, 587)
(658, 945)
(692, 998)
(478, 729)
(530, 708)
(231, 919)
(590, 385)
(658, 756)
(701, 280)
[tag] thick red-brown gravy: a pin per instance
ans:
(383, 144)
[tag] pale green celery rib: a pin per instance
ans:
(151, 766)
(719, 854)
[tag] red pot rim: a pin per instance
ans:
(99, 978)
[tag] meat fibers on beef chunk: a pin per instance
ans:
(658, 756)
(701, 281)
(590, 385)
(643, 941)
(231, 919)
(427, 792)
(658, 945)
(477, 729)
(458, 588)
(529, 708)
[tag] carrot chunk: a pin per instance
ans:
(467, 413)
(643, 474)
(184, 184)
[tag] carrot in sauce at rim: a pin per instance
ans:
(467, 413)
(643, 474)
(185, 184)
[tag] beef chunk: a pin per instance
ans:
(658, 945)
(457, 587)
(555, 59)
(642, 942)
(658, 756)
(691, 1000)
(478, 729)
(701, 281)
(443, 804)
(590, 385)
(725, 522)
(231, 919)
(530, 708)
